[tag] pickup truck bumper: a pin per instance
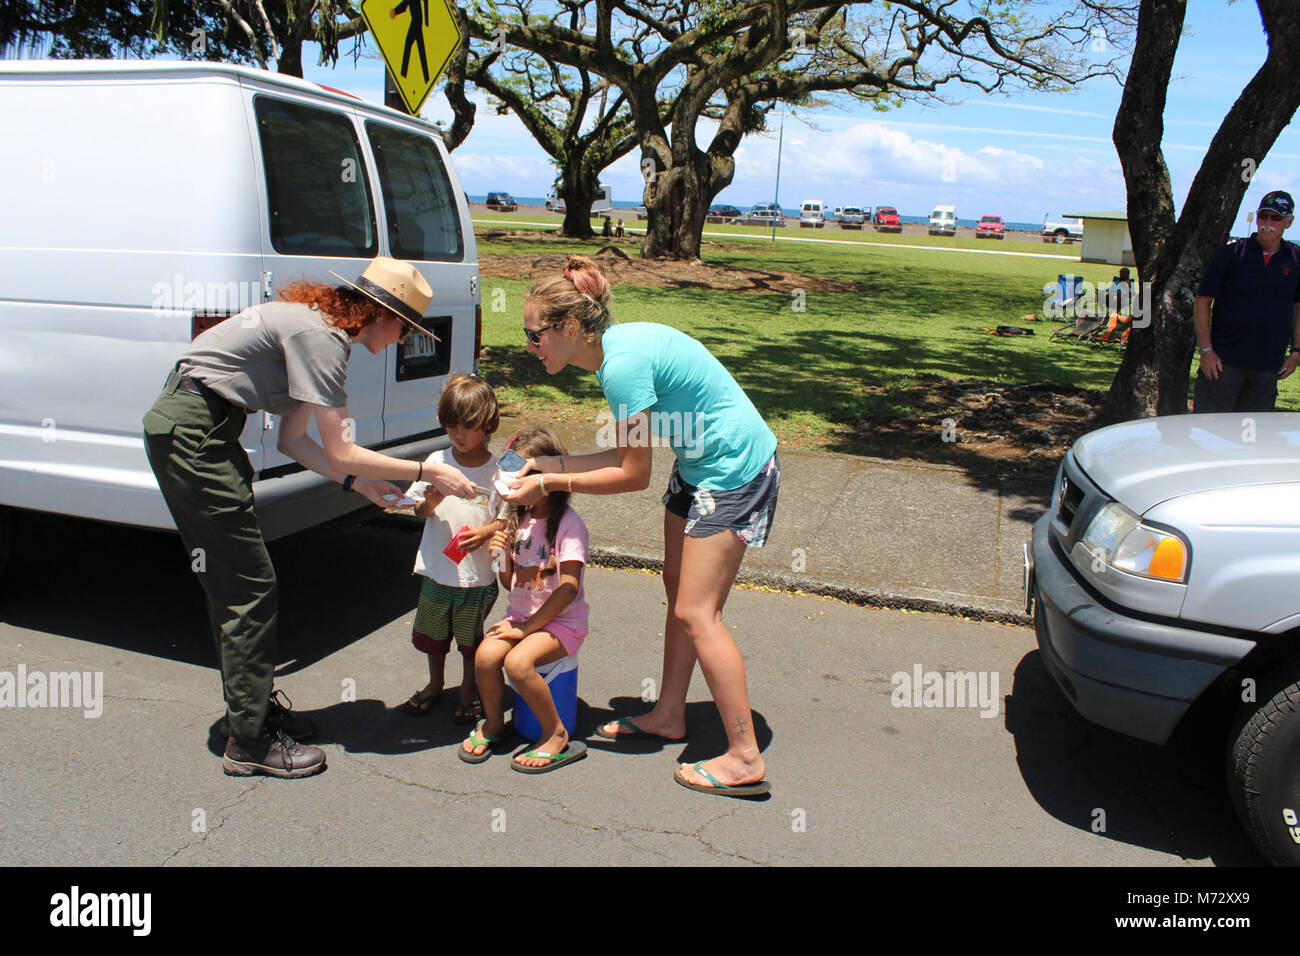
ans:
(1131, 675)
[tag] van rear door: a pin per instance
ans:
(425, 224)
(320, 218)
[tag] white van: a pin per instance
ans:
(943, 221)
(812, 214)
(146, 201)
(604, 201)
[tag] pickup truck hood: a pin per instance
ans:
(1142, 463)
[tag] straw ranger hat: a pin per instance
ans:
(399, 287)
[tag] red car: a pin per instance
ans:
(991, 227)
(886, 219)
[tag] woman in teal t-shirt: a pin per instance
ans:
(663, 386)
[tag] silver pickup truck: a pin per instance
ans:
(1166, 574)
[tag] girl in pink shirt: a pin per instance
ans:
(541, 560)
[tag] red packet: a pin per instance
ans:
(453, 550)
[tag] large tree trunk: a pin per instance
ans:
(578, 185)
(1152, 378)
(682, 194)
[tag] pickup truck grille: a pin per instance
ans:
(1074, 504)
(1068, 499)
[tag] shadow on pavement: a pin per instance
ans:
(1172, 799)
(133, 589)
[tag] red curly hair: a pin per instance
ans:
(342, 307)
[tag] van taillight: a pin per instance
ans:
(478, 334)
(202, 321)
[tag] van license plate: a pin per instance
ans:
(420, 356)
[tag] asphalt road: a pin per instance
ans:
(855, 779)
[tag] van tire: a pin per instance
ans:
(1264, 769)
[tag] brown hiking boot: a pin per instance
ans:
(279, 716)
(276, 755)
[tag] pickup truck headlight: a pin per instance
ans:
(1119, 538)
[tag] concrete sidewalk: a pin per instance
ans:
(865, 530)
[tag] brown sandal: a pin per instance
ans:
(470, 713)
(420, 705)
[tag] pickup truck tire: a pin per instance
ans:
(1060, 236)
(1264, 771)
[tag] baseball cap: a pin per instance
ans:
(1278, 201)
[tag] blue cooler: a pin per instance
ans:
(562, 678)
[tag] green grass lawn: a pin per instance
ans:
(847, 359)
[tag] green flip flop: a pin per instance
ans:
(477, 739)
(574, 752)
(720, 789)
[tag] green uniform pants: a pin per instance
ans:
(192, 442)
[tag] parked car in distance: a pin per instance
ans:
(1162, 582)
(722, 213)
(991, 227)
(812, 214)
(852, 217)
(943, 221)
(886, 219)
(764, 214)
(642, 212)
(1069, 229)
(502, 202)
(602, 203)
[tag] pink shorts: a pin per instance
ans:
(569, 639)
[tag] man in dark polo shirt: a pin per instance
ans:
(1254, 338)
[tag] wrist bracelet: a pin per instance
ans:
(420, 474)
(570, 477)
(541, 476)
(1203, 351)
(347, 482)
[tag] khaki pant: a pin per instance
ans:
(192, 442)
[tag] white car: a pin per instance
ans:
(1166, 574)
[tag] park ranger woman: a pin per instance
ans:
(289, 358)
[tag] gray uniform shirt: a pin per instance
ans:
(275, 356)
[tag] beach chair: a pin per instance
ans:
(1068, 290)
(1078, 329)
(1116, 332)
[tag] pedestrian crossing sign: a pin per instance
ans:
(416, 39)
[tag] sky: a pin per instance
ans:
(1022, 156)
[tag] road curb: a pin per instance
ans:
(906, 599)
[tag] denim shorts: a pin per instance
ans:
(746, 511)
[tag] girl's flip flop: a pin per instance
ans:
(476, 740)
(720, 789)
(574, 752)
